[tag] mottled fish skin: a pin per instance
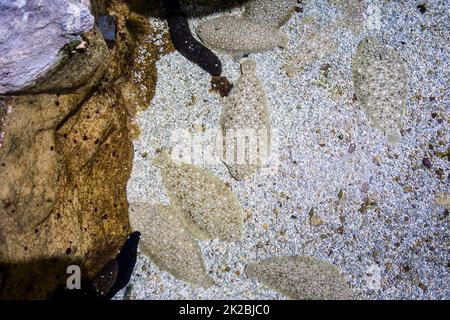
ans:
(274, 13)
(186, 44)
(208, 207)
(246, 108)
(301, 278)
(238, 36)
(168, 243)
(380, 79)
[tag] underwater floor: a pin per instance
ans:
(334, 188)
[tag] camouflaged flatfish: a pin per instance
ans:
(245, 125)
(238, 36)
(274, 13)
(380, 79)
(301, 278)
(168, 243)
(207, 206)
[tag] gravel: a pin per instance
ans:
(380, 224)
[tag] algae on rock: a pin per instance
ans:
(65, 157)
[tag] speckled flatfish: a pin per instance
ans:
(271, 12)
(207, 206)
(301, 278)
(245, 125)
(380, 78)
(168, 244)
(238, 37)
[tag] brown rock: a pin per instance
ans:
(65, 159)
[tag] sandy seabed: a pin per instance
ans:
(374, 204)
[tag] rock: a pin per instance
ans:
(32, 36)
(65, 156)
(75, 68)
(427, 163)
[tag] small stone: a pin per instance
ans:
(442, 199)
(427, 163)
(377, 160)
(422, 8)
(365, 187)
(408, 189)
(314, 219)
(82, 46)
(198, 127)
(367, 205)
(352, 148)
(423, 287)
